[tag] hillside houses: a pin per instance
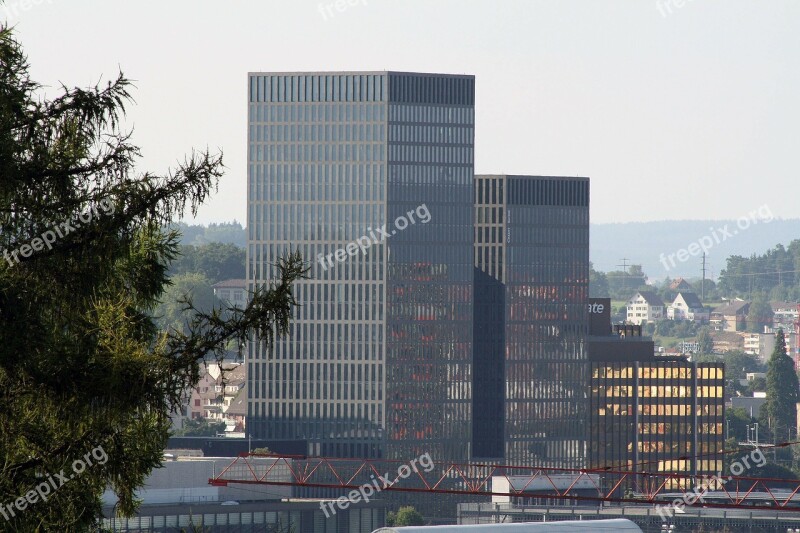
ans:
(687, 306)
(645, 306)
(730, 317)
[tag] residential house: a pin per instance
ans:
(217, 392)
(730, 317)
(680, 285)
(687, 306)
(645, 306)
(232, 291)
(236, 413)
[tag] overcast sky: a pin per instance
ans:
(685, 112)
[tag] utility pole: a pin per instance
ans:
(703, 285)
(624, 266)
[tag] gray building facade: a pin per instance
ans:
(531, 319)
(370, 175)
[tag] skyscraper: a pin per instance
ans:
(531, 319)
(370, 176)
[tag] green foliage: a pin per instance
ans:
(682, 329)
(757, 385)
(738, 364)
(780, 267)
(172, 312)
(405, 516)
(705, 340)
(736, 421)
(623, 285)
(759, 315)
(783, 391)
(262, 451)
(224, 233)
(598, 284)
(82, 363)
(217, 262)
(201, 427)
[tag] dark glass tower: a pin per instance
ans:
(531, 319)
(379, 358)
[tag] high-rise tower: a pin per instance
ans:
(531, 319)
(370, 176)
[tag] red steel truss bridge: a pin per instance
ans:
(585, 486)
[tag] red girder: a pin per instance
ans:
(473, 479)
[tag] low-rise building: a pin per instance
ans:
(233, 292)
(784, 315)
(645, 306)
(752, 343)
(767, 345)
(687, 306)
(652, 413)
(726, 341)
(730, 317)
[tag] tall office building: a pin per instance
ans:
(370, 176)
(531, 320)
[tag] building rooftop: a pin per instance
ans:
(691, 300)
(651, 298)
(231, 284)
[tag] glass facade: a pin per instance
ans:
(531, 284)
(369, 175)
(429, 278)
(657, 416)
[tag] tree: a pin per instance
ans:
(215, 261)
(738, 364)
(83, 367)
(760, 315)
(783, 391)
(405, 516)
(624, 284)
(598, 283)
(201, 427)
(705, 340)
(736, 421)
(262, 451)
(171, 313)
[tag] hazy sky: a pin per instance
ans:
(685, 112)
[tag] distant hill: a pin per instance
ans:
(644, 242)
(639, 242)
(225, 233)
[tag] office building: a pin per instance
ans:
(651, 413)
(370, 175)
(531, 321)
